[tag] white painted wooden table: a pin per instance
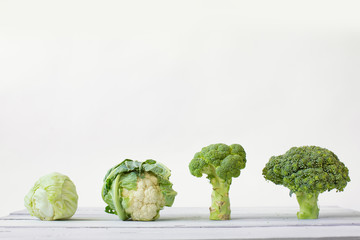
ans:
(188, 223)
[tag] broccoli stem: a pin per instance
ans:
(220, 207)
(308, 205)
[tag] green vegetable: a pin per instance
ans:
(52, 197)
(137, 190)
(307, 171)
(220, 163)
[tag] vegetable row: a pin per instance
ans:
(137, 191)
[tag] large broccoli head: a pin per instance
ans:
(220, 163)
(219, 160)
(307, 171)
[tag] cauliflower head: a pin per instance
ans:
(138, 190)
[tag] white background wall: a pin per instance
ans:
(85, 84)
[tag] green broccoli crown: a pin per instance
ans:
(307, 169)
(219, 160)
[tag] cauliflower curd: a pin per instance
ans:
(145, 202)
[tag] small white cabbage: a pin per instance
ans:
(52, 197)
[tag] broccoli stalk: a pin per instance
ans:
(220, 201)
(308, 205)
(307, 171)
(220, 163)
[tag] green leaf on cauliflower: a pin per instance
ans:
(129, 181)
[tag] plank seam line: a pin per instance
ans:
(184, 227)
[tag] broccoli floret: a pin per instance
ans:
(220, 163)
(307, 171)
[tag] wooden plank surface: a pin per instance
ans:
(188, 223)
